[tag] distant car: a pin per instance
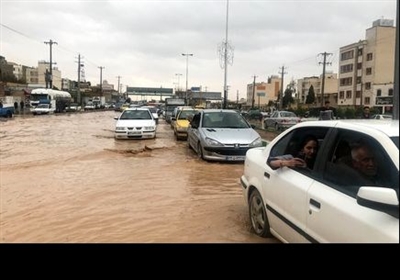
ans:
(332, 202)
(280, 120)
(90, 106)
(135, 123)
(74, 107)
(153, 110)
(221, 135)
(181, 122)
(254, 114)
(42, 109)
(381, 117)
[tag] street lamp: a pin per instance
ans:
(187, 63)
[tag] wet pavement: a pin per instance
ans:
(65, 179)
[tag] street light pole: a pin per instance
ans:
(187, 71)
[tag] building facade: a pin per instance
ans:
(366, 68)
(261, 94)
(330, 89)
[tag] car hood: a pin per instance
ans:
(132, 123)
(231, 135)
(182, 123)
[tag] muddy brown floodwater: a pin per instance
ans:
(64, 179)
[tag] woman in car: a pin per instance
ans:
(304, 158)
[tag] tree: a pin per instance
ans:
(310, 99)
(287, 98)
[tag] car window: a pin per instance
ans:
(291, 143)
(341, 173)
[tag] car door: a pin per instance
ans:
(333, 213)
(193, 132)
(286, 189)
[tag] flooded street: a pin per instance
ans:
(65, 179)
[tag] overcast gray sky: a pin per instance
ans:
(143, 41)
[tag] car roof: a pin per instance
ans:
(387, 127)
(136, 109)
(219, 110)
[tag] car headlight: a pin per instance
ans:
(212, 142)
(149, 128)
(256, 143)
(120, 128)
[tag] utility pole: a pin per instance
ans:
(281, 93)
(187, 72)
(396, 70)
(101, 79)
(51, 62)
(119, 77)
(226, 57)
(237, 98)
(79, 99)
(254, 89)
(323, 76)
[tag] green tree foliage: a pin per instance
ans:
(287, 98)
(310, 99)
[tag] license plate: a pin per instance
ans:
(134, 132)
(235, 158)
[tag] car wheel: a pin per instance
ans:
(276, 127)
(258, 215)
(200, 151)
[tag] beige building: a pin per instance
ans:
(263, 92)
(42, 66)
(366, 68)
(330, 89)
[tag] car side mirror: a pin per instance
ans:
(115, 118)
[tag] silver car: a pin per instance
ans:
(221, 135)
(280, 120)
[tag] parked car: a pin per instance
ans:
(381, 117)
(153, 110)
(181, 122)
(42, 109)
(6, 110)
(332, 202)
(254, 114)
(135, 123)
(90, 106)
(74, 107)
(280, 120)
(221, 135)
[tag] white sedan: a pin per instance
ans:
(280, 120)
(330, 203)
(135, 123)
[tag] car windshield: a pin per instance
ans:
(224, 120)
(135, 115)
(288, 115)
(185, 114)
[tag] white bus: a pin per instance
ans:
(57, 99)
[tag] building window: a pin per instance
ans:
(358, 94)
(369, 56)
(367, 100)
(359, 65)
(358, 80)
(390, 92)
(368, 85)
(346, 81)
(379, 92)
(347, 55)
(360, 52)
(346, 68)
(368, 71)
(341, 94)
(348, 94)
